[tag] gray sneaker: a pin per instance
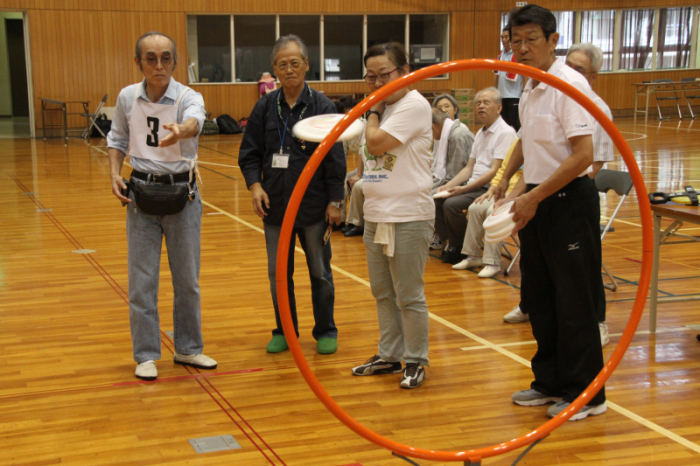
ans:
(377, 366)
(583, 413)
(532, 398)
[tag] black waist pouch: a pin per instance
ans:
(161, 199)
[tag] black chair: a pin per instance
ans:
(695, 94)
(621, 183)
(666, 94)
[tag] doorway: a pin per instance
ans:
(15, 111)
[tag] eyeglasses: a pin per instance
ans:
(152, 61)
(294, 64)
(383, 77)
(516, 44)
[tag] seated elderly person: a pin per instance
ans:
(490, 148)
(478, 212)
(452, 146)
(350, 147)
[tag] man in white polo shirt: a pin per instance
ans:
(558, 221)
(490, 148)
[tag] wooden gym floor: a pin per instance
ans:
(68, 394)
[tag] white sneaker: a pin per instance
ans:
(436, 244)
(489, 271)
(468, 263)
(199, 361)
(146, 370)
(604, 336)
(516, 316)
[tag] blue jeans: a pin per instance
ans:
(397, 285)
(144, 235)
(318, 260)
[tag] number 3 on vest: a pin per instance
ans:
(152, 139)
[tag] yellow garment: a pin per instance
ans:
(497, 179)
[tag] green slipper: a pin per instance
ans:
(327, 345)
(277, 344)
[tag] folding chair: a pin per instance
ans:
(92, 117)
(621, 183)
(689, 97)
(509, 255)
(668, 94)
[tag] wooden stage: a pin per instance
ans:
(68, 394)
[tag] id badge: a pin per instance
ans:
(280, 160)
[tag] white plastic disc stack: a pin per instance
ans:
(499, 225)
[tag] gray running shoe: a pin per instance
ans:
(532, 398)
(592, 410)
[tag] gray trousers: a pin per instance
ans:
(144, 235)
(356, 212)
(475, 234)
(397, 285)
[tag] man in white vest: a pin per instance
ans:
(157, 122)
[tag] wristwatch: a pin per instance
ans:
(335, 204)
(369, 112)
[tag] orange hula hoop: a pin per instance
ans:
(293, 207)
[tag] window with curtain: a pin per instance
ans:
(675, 26)
(637, 39)
(342, 44)
(565, 28)
(308, 28)
(598, 28)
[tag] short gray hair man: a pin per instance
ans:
(593, 52)
(496, 94)
(284, 41)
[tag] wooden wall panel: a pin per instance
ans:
(82, 50)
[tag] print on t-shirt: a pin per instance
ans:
(389, 162)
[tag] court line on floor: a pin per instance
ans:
(533, 342)
(124, 296)
(498, 348)
(217, 164)
(655, 427)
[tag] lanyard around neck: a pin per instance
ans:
(279, 111)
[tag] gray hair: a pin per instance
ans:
(594, 54)
(439, 117)
(452, 101)
(284, 41)
(156, 33)
(496, 94)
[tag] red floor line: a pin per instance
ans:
(185, 377)
(231, 417)
(108, 278)
(57, 390)
(633, 260)
(243, 420)
(100, 270)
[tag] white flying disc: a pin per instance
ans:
(441, 194)
(316, 128)
(499, 225)
(500, 218)
(498, 232)
(492, 240)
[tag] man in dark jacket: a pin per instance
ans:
(272, 160)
